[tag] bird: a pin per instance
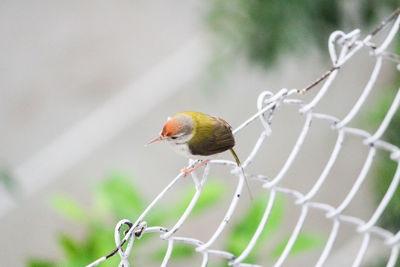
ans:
(198, 136)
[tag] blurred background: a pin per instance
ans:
(84, 85)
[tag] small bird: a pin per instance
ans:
(198, 136)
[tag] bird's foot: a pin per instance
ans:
(186, 171)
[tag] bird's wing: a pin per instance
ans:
(212, 137)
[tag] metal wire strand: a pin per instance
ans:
(342, 47)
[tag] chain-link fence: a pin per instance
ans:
(342, 47)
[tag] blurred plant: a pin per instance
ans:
(117, 197)
(244, 229)
(263, 30)
(385, 168)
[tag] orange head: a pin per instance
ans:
(172, 127)
(179, 126)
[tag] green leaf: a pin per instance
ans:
(99, 242)
(70, 247)
(40, 263)
(244, 229)
(304, 242)
(158, 215)
(117, 194)
(213, 191)
(68, 207)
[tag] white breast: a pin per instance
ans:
(183, 149)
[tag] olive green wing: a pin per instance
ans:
(212, 137)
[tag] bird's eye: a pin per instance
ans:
(174, 137)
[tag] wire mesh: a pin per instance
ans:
(342, 47)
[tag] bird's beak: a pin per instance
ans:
(155, 140)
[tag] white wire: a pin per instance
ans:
(267, 104)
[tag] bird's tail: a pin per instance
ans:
(244, 175)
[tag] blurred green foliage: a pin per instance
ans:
(117, 197)
(371, 10)
(263, 30)
(244, 229)
(114, 198)
(305, 241)
(385, 168)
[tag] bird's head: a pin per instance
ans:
(178, 129)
